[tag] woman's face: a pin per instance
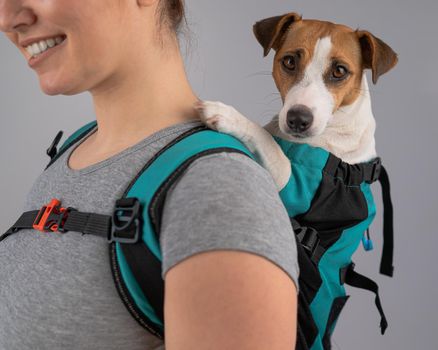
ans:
(100, 36)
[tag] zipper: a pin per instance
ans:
(121, 288)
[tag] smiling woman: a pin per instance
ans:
(228, 251)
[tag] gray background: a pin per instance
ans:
(225, 63)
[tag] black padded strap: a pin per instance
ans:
(374, 171)
(146, 269)
(386, 266)
(144, 265)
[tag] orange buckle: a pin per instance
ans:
(50, 217)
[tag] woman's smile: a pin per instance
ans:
(43, 49)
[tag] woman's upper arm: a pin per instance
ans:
(229, 300)
(229, 259)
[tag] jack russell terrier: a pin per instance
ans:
(320, 150)
(319, 71)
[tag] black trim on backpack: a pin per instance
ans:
(307, 331)
(309, 282)
(345, 206)
(337, 306)
(341, 196)
(126, 298)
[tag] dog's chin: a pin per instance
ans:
(301, 137)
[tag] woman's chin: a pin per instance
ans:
(55, 87)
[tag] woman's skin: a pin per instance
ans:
(135, 73)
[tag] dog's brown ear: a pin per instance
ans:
(270, 31)
(376, 55)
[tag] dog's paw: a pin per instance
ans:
(221, 117)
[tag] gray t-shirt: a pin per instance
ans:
(57, 291)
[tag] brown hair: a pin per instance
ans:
(171, 14)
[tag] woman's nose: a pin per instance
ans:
(14, 16)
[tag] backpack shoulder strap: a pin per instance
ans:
(139, 264)
(75, 137)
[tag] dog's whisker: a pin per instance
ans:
(271, 94)
(256, 74)
(268, 113)
(274, 100)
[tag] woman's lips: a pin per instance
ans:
(35, 60)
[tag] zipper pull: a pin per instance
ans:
(366, 241)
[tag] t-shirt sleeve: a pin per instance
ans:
(227, 201)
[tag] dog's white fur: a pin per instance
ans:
(311, 91)
(348, 133)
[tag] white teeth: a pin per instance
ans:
(50, 42)
(35, 48)
(43, 45)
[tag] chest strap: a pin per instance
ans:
(123, 226)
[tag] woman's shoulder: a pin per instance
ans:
(230, 168)
(227, 200)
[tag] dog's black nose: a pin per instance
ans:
(299, 118)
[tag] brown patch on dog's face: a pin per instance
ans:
(345, 61)
(318, 68)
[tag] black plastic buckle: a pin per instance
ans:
(126, 221)
(62, 218)
(375, 172)
(308, 237)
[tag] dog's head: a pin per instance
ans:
(318, 68)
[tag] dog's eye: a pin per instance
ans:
(289, 62)
(339, 72)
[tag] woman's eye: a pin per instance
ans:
(289, 62)
(339, 72)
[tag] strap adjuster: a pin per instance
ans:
(51, 217)
(344, 271)
(61, 220)
(308, 237)
(375, 172)
(126, 221)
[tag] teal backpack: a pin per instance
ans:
(329, 203)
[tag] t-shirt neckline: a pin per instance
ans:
(176, 128)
